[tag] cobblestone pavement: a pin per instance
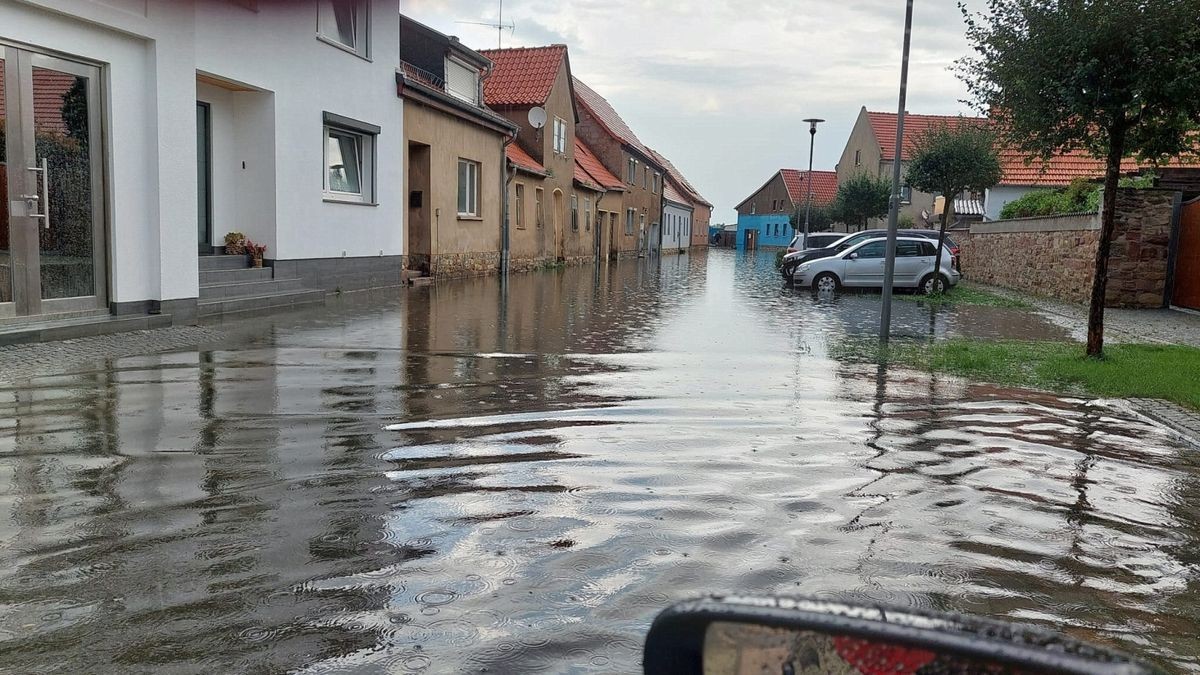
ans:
(1120, 325)
(21, 362)
(1182, 421)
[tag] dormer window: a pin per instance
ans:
(462, 81)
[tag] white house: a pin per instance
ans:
(139, 132)
(676, 221)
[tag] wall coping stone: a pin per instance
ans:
(1066, 222)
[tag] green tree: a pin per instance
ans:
(821, 219)
(1115, 78)
(862, 197)
(952, 159)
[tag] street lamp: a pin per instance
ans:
(812, 140)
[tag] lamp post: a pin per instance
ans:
(812, 140)
(889, 263)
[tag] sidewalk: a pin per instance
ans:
(1165, 326)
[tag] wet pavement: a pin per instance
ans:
(472, 478)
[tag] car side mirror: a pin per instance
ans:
(852, 256)
(736, 635)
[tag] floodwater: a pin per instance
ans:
(467, 478)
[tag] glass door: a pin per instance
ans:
(55, 249)
(204, 177)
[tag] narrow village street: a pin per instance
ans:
(483, 477)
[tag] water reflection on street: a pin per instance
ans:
(470, 477)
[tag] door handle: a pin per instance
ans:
(43, 195)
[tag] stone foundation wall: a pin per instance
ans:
(451, 265)
(1055, 256)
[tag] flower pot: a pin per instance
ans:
(256, 261)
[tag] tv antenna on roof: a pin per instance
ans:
(498, 24)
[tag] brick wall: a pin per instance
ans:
(1054, 256)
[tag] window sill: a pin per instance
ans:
(462, 216)
(352, 202)
(349, 50)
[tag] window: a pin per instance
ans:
(628, 222)
(462, 81)
(344, 23)
(539, 214)
(349, 159)
(909, 249)
(633, 171)
(645, 178)
(468, 188)
(575, 212)
(875, 249)
(657, 178)
(519, 205)
(587, 214)
(906, 194)
(612, 223)
(560, 136)
(858, 158)
(929, 248)
(642, 223)
(753, 208)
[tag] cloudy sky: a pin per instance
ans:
(720, 86)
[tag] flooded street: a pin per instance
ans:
(472, 478)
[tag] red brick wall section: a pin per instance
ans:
(1055, 257)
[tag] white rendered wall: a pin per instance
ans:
(680, 219)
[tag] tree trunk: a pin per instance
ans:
(947, 209)
(1112, 178)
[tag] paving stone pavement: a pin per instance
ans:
(1167, 326)
(23, 361)
(1182, 421)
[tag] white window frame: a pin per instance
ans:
(629, 222)
(362, 28)
(539, 209)
(657, 180)
(587, 214)
(471, 96)
(560, 136)
(633, 164)
(336, 125)
(472, 194)
(906, 194)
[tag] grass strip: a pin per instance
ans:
(1169, 372)
(966, 295)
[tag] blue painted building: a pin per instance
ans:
(770, 230)
(763, 216)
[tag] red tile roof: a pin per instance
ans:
(915, 126)
(669, 192)
(824, 186)
(522, 76)
(587, 162)
(1059, 171)
(49, 89)
(604, 113)
(522, 160)
(687, 188)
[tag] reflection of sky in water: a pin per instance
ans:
(466, 477)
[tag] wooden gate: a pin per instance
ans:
(1187, 261)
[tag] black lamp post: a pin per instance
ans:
(812, 140)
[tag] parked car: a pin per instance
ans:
(793, 260)
(861, 266)
(815, 240)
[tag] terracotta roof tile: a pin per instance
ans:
(884, 126)
(824, 186)
(669, 192)
(675, 174)
(603, 111)
(586, 161)
(522, 76)
(1059, 171)
(521, 159)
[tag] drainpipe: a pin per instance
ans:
(505, 179)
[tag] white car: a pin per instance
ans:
(861, 266)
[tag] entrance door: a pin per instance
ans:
(204, 178)
(1187, 260)
(52, 253)
(559, 217)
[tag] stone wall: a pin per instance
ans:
(1055, 256)
(474, 263)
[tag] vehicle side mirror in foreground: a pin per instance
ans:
(852, 256)
(797, 636)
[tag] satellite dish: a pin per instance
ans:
(537, 117)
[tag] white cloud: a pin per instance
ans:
(720, 86)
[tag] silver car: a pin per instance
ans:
(861, 266)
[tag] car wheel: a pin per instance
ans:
(934, 284)
(826, 283)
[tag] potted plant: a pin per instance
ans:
(255, 251)
(235, 243)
